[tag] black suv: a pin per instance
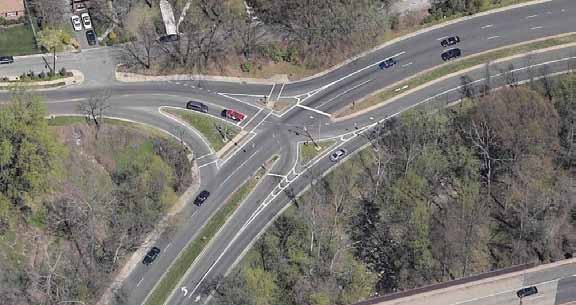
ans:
(201, 198)
(151, 256)
(193, 105)
(451, 54)
(527, 291)
(387, 63)
(6, 59)
(91, 37)
(450, 41)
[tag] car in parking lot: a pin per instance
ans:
(194, 105)
(76, 23)
(86, 21)
(79, 7)
(233, 115)
(451, 54)
(387, 63)
(527, 291)
(338, 154)
(450, 41)
(201, 197)
(91, 37)
(6, 59)
(151, 256)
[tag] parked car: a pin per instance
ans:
(86, 21)
(527, 291)
(79, 7)
(233, 115)
(151, 256)
(387, 63)
(169, 38)
(338, 154)
(6, 59)
(76, 23)
(450, 41)
(193, 105)
(201, 197)
(91, 37)
(451, 54)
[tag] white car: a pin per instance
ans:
(86, 21)
(337, 155)
(76, 23)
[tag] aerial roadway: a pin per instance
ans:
(268, 133)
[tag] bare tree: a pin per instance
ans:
(94, 108)
(140, 49)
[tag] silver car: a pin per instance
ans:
(338, 154)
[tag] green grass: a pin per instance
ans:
(17, 40)
(189, 254)
(460, 65)
(308, 151)
(207, 126)
(66, 120)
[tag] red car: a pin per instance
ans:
(233, 115)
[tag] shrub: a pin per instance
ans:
(246, 66)
(63, 72)
(113, 37)
(273, 52)
(42, 75)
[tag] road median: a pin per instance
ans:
(436, 74)
(187, 257)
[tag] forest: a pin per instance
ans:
(76, 201)
(482, 185)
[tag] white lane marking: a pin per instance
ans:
(281, 89)
(531, 16)
(209, 163)
(167, 246)
(493, 37)
(250, 121)
(406, 65)
(536, 27)
(239, 167)
(260, 123)
(339, 95)
(203, 156)
(139, 282)
(487, 26)
(442, 38)
(314, 110)
(276, 175)
(65, 101)
(271, 90)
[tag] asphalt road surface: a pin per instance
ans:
(270, 133)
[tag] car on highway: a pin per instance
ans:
(338, 154)
(6, 59)
(194, 105)
(76, 23)
(233, 115)
(527, 291)
(86, 21)
(91, 37)
(387, 63)
(201, 197)
(151, 256)
(169, 38)
(450, 41)
(451, 54)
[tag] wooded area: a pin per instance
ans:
(74, 206)
(483, 185)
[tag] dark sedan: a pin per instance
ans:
(151, 256)
(450, 41)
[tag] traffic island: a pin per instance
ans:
(216, 132)
(451, 69)
(308, 151)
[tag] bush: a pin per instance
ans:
(273, 52)
(63, 72)
(42, 75)
(4, 21)
(246, 66)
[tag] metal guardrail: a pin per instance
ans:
(432, 287)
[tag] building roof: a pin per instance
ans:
(11, 6)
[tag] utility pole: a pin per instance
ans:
(54, 60)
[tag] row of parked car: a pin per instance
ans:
(84, 22)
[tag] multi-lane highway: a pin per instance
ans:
(268, 133)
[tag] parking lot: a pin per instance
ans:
(79, 19)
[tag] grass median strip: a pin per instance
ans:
(211, 128)
(449, 68)
(309, 151)
(189, 254)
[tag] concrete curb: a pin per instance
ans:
(337, 118)
(77, 78)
